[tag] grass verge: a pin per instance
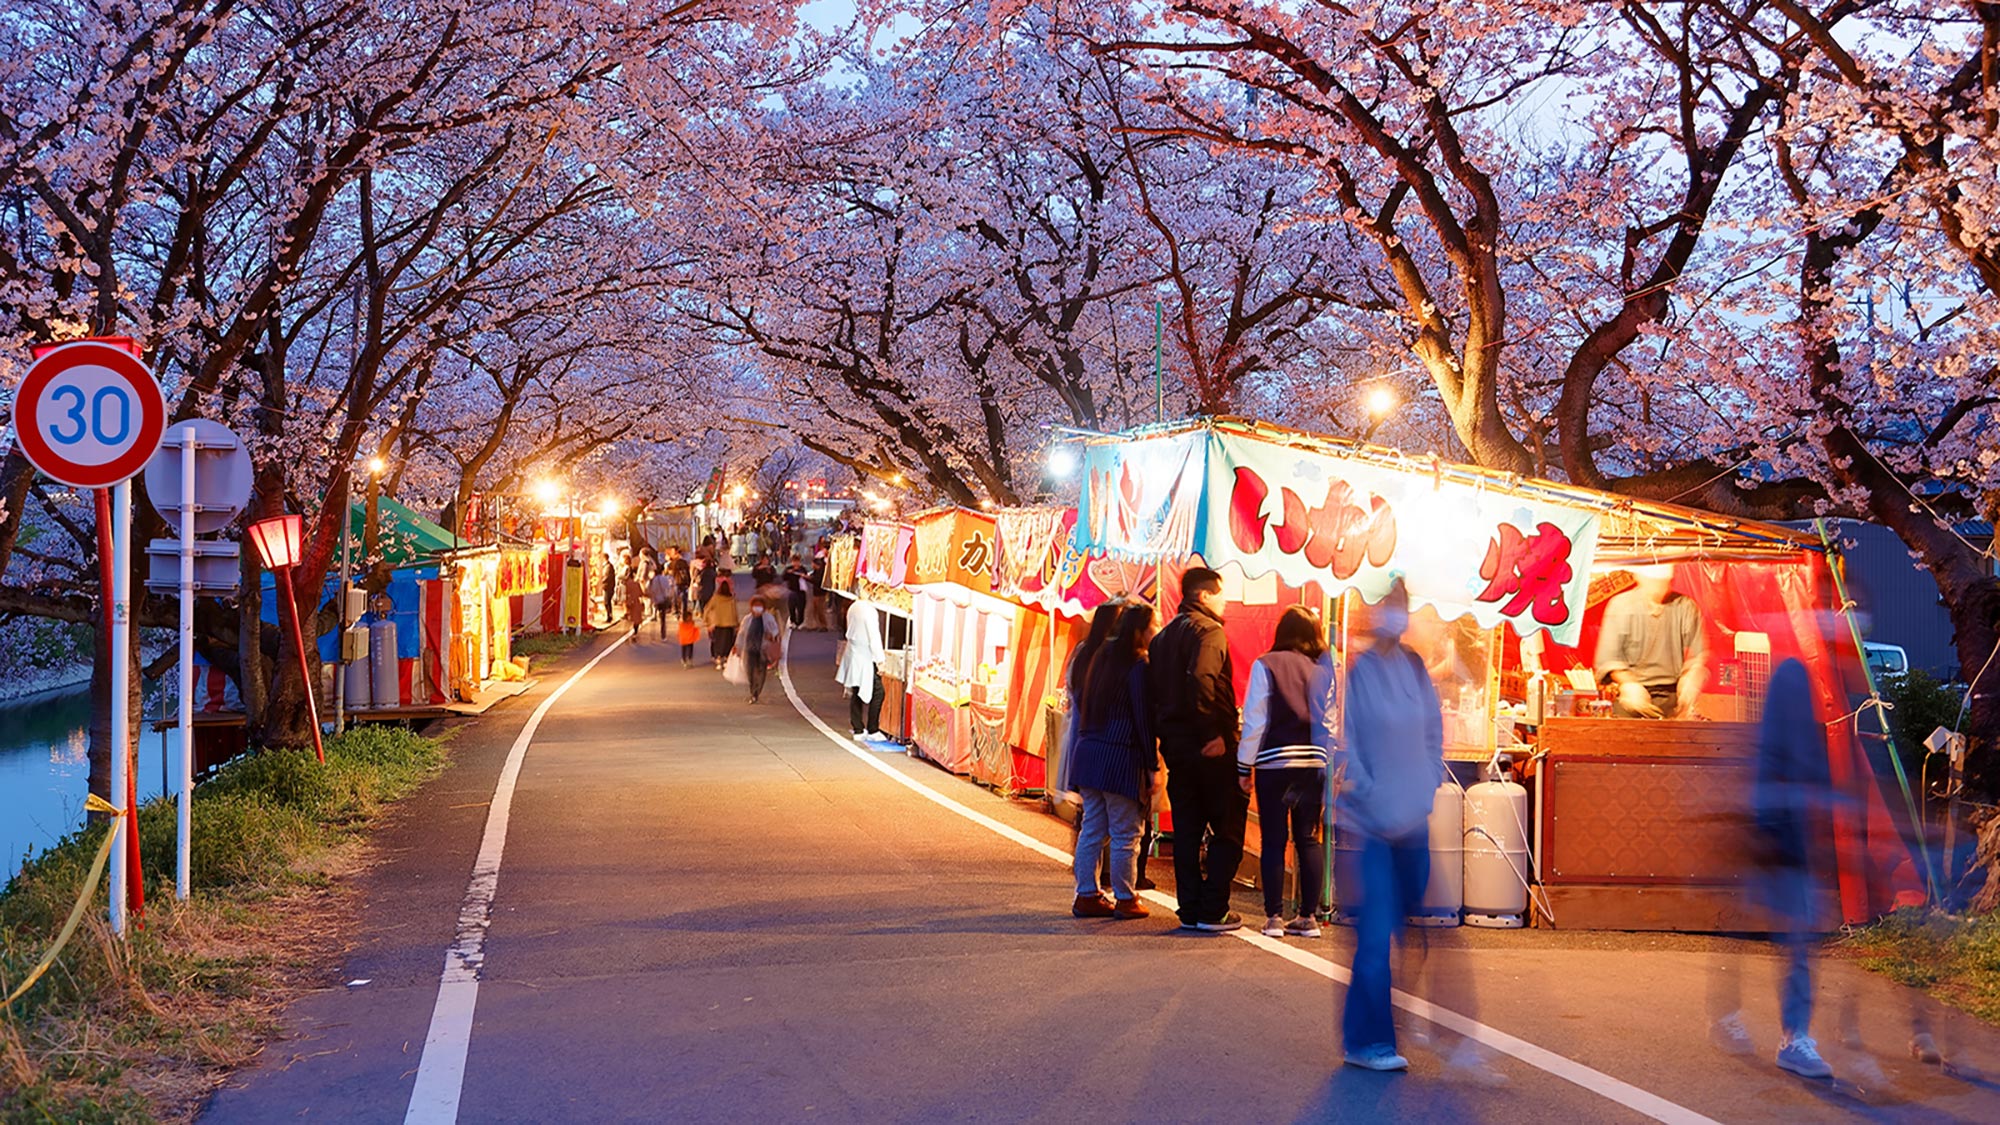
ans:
(143, 1030)
(1956, 960)
(546, 644)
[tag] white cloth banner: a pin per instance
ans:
(1309, 516)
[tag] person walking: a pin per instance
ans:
(860, 671)
(1194, 713)
(816, 621)
(1286, 717)
(1792, 799)
(760, 645)
(663, 592)
(690, 632)
(634, 590)
(721, 617)
(705, 578)
(677, 568)
(1112, 766)
(1392, 739)
(795, 588)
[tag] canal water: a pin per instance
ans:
(45, 771)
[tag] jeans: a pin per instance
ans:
(661, 608)
(1789, 892)
(1393, 876)
(1292, 798)
(1207, 800)
(759, 670)
(865, 718)
(1113, 815)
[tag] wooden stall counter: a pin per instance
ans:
(1644, 824)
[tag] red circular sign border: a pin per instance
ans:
(152, 414)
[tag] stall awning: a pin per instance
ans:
(405, 536)
(1039, 561)
(954, 546)
(1469, 542)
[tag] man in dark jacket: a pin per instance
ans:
(1194, 714)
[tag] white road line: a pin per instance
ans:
(1561, 1066)
(441, 1072)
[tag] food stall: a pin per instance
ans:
(1639, 823)
(886, 555)
(960, 641)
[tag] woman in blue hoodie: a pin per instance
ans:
(1393, 740)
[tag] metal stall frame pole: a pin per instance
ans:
(184, 804)
(346, 569)
(122, 872)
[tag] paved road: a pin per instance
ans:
(709, 911)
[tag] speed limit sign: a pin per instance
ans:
(89, 414)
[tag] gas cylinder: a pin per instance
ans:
(354, 646)
(1496, 855)
(384, 669)
(1445, 893)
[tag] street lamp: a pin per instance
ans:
(1062, 462)
(1381, 402)
(277, 542)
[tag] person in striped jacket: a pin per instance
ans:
(1288, 727)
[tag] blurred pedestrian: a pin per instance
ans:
(663, 593)
(721, 617)
(1286, 733)
(760, 645)
(705, 577)
(1392, 736)
(795, 590)
(690, 632)
(1112, 766)
(1790, 801)
(1194, 714)
(816, 595)
(634, 590)
(677, 568)
(860, 671)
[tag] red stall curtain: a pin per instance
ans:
(1792, 602)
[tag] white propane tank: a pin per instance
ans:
(1496, 855)
(1445, 893)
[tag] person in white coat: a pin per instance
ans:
(860, 671)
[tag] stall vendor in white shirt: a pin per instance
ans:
(1652, 646)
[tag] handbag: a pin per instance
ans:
(734, 671)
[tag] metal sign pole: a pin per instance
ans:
(184, 806)
(121, 671)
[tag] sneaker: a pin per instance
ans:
(1800, 1055)
(1730, 1036)
(1305, 925)
(861, 738)
(1145, 884)
(1376, 1058)
(1091, 906)
(1222, 925)
(1274, 926)
(1128, 908)
(1924, 1049)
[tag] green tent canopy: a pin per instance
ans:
(406, 536)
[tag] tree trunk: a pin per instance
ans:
(253, 674)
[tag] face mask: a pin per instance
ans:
(1391, 621)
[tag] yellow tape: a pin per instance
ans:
(92, 803)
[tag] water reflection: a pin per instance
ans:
(45, 772)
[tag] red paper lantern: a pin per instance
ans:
(277, 540)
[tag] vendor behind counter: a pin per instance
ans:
(1653, 648)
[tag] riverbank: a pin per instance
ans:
(144, 1030)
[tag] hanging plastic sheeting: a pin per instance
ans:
(1791, 602)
